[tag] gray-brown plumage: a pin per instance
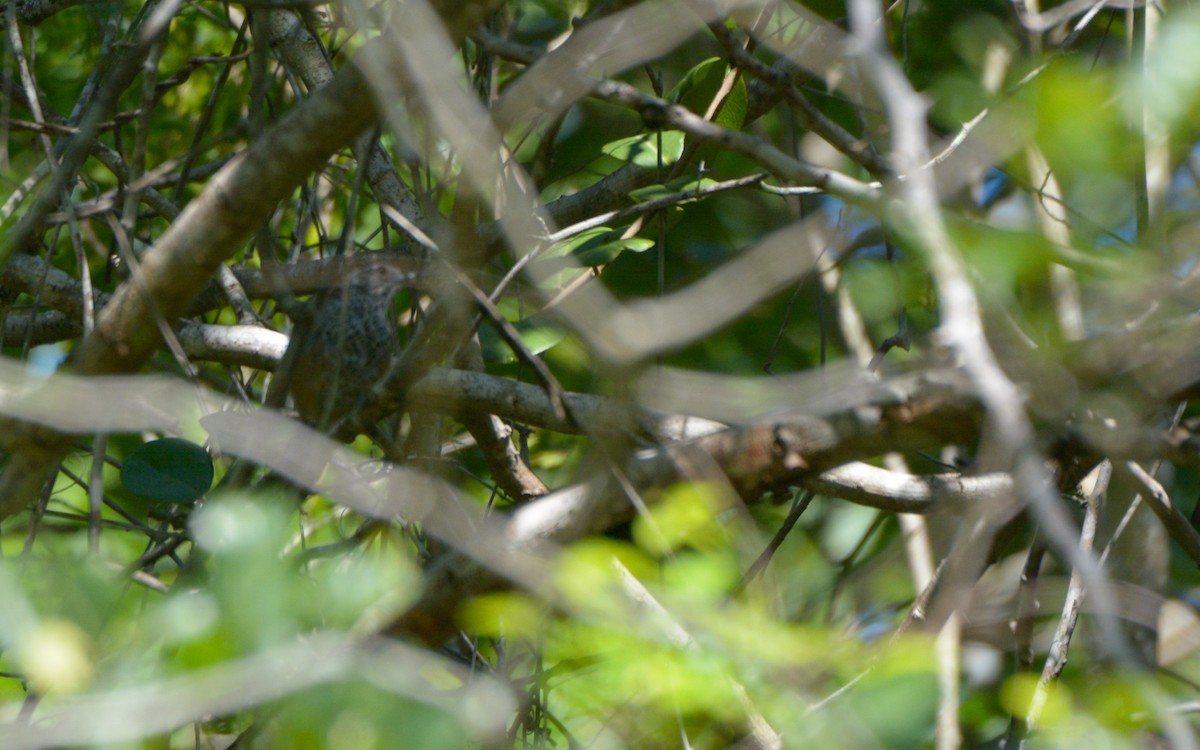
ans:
(343, 347)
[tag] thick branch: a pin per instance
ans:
(763, 456)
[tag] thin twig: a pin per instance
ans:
(803, 499)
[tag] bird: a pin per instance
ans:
(342, 346)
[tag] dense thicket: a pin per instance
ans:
(766, 373)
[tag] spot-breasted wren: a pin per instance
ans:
(344, 347)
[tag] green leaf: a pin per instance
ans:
(732, 114)
(643, 150)
(682, 185)
(171, 470)
(1078, 145)
(703, 79)
(686, 515)
(535, 335)
(586, 238)
(607, 252)
(697, 89)
(598, 246)
(898, 708)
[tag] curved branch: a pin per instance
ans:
(892, 491)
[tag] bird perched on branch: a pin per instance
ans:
(342, 346)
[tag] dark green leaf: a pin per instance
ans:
(171, 470)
